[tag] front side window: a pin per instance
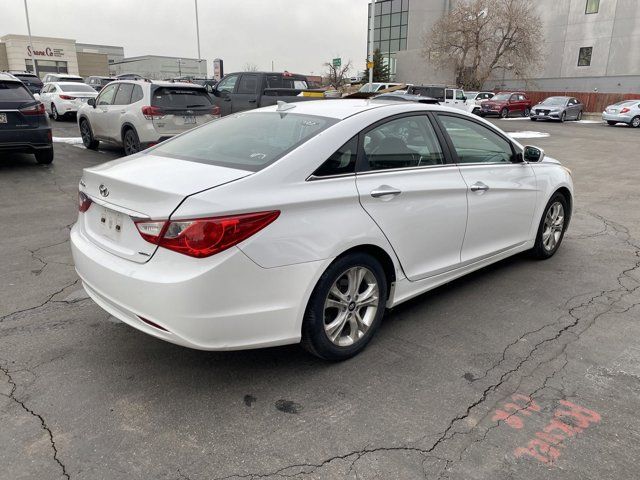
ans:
(248, 84)
(592, 6)
(246, 141)
(227, 84)
(342, 162)
(137, 94)
(449, 95)
(106, 96)
(405, 142)
(459, 95)
(475, 143)
(584, 57)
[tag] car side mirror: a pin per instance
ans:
(92, 102)
(533, 154)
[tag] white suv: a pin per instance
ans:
(139, 114)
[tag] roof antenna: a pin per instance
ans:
(284, 106)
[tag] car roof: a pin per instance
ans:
(7, 77)
(343, 108)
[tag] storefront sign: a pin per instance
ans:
(47, 52)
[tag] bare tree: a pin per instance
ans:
(250, 67)
(483, 37)
(337, 76)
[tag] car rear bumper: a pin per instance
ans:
(224, 302)
(26, 139)
(616, 117)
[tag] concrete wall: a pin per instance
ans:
(4, 61)
(92, 64)
(114, 54)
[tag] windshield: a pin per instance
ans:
(471, 95)
(370, 87)
(554, 101)
(79, 87)
(501, 97)
(247, 141)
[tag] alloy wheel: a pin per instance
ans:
(579, 115)
(635, 123)
(526, 112)
(54, 112)
(85, 133)
(553, 226)
(504, 113)
(131, 144)
(351, 306)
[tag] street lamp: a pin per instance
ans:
(33, 52)
(198, 38)
(371, 34)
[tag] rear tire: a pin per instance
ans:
(552, 228)
(345, 308)
(131, 142)
(579, 117)
(87, 135)
(635, 122)
(44, 157)
(54, 113)
(526, 112)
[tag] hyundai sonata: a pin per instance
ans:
(304, 222)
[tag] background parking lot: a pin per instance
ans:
(466, 382)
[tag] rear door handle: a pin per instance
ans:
(479, 187)
(385, 190)
(253, 101)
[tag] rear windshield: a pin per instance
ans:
(279, 81)
(29, 78)
(180, 97)
(246, 141)
(70, 79)
(76, 88)
(14, 91)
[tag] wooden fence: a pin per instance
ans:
(595, 102)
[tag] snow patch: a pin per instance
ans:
(68, 140)
(528, 134)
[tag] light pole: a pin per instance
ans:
(198, 37)
(33, 52)
(371, 35)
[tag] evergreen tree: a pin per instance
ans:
(380, 68)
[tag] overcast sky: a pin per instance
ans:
(298, 35)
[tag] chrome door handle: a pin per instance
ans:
(384, 191)
(479, 187)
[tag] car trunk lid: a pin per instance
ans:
(142, 187)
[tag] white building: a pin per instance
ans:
(157, 67)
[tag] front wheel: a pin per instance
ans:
(87, 135)
(504, 113)
(552, 227)
(345, 308)
(131, 142)
(635, 122)
(563, 117)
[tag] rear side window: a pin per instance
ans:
(342, 162)
(248, 141)
(137, 94)
(14, 92)
(449, 95)
(278, 81)
(171, 97)
(248, 84)
(123, 96)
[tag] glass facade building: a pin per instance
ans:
(391, 21)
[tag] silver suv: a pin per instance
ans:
(138, 114)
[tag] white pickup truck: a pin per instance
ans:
(451, 96)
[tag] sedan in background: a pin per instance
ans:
(503, 104)
(98, 83)
(626, 111)
(303, 222)
(24, 126)
(558, 108)
(65, 98)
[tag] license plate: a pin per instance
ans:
(189, 120)
(111, 223)
(3, 118)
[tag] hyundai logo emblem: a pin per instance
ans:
(104, 191)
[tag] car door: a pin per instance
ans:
(514, 104)
(501, 194)
(116, 112)
(575, 108)
(246, 96)
(223, 93)
(413, 192)
(45, 97)
(100, 119)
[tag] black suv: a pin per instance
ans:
(30, 80)
(24, 126)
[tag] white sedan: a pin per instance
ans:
(64, 98)
(304, 222)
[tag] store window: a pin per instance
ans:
(592, 6)
(47, 66)
(584, 57)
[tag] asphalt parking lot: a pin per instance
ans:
(525, 369)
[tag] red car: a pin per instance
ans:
(504, 104)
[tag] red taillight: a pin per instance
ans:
(150, 112)
(67, 97)
(203, 237)
(215, 111)
(625, 110)
(37, 109)
(84, 202)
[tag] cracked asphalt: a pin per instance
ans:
(525, 369)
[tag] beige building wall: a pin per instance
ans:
(93, 64)
(47, 48)
(4, 62)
